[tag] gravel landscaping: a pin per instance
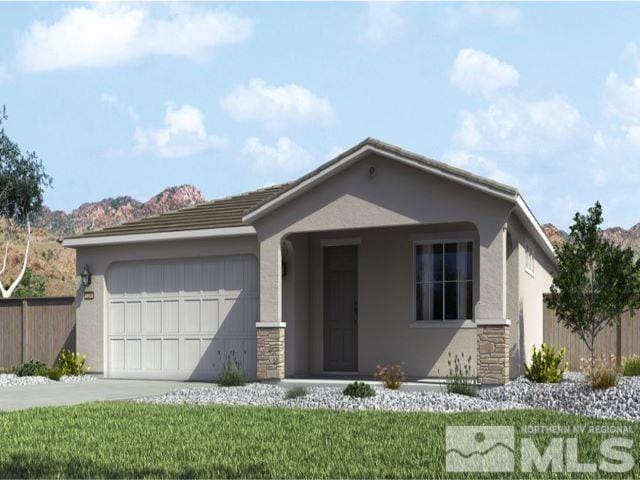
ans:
(12, 380)
(572, 395)
(329, 397)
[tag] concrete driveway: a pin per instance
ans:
(55, 394)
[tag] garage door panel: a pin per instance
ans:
(170, 316)
(155, 278)
(182, 318)
(190, 319)
(193, 277)
(152, 317)
(170, 354)
(190, 354)
(152, 354)
(173, 278)
(233, 274)
(116, 317)
(116, 353)
(210, 314)
(132, 319)
(133, 351)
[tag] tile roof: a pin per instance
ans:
(222, 213)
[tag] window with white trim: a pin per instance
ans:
(443, 281)
(529, 263)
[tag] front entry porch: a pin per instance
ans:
(350, 300)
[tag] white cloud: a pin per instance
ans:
(275, 104)
(382, 24)
(599, 176)
(503, 16)
(115, 102)
(105, 35)
(480, 166)
(183, 134)
(285, 156)
(510, 124)
(474, 70)
(515, 126)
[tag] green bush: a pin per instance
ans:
(545, 365)
(32, 368)
(71, 363)
(461, 379)
(359, 390)
(296, 392)
(54, 374)
(631, 367)
(232, 374)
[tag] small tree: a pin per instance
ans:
(595, 282)
(32, 284)
(22, 184)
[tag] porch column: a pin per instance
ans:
(491, 310)
(270, 328)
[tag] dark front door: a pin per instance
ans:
(341, 308)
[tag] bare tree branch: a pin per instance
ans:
(9, 291)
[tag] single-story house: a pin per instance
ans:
(379, 256)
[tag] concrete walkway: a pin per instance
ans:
(56, 394)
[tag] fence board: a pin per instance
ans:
(36, 328)
(606, 341)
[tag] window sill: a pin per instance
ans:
(533, 275)
(442, 325)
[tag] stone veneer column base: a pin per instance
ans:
(270, 353)
(493, 354)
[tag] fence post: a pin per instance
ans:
(25, 314)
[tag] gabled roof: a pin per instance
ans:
(199, 220)
(372, 145)
(234, 215)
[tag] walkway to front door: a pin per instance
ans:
(341, 308)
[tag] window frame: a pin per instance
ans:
(529, 259)
(444, 323)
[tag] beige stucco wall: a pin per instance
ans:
(527, 309)
(397, 195)
(91, 326)
(386, 330)
(349, 204)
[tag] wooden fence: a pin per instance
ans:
(621, 341)
(36, 328)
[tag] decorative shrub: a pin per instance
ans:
(461, 378)
(602, 373)
(54, 374)
(631, 367)
(359, 390)
(33, 368)
(232, 373)
(296, 392)
(71, 363)
(392, 376)
(545, 365)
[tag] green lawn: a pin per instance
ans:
(132, 440)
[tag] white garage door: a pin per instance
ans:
(181, 319)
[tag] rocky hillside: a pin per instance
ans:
(57, 264)
(617, 235)
(110, 211)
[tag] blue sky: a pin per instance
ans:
(131, 98)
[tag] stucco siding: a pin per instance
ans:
(531, 288)
(91, 327)
(387, 332)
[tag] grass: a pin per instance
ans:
(137, 440)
